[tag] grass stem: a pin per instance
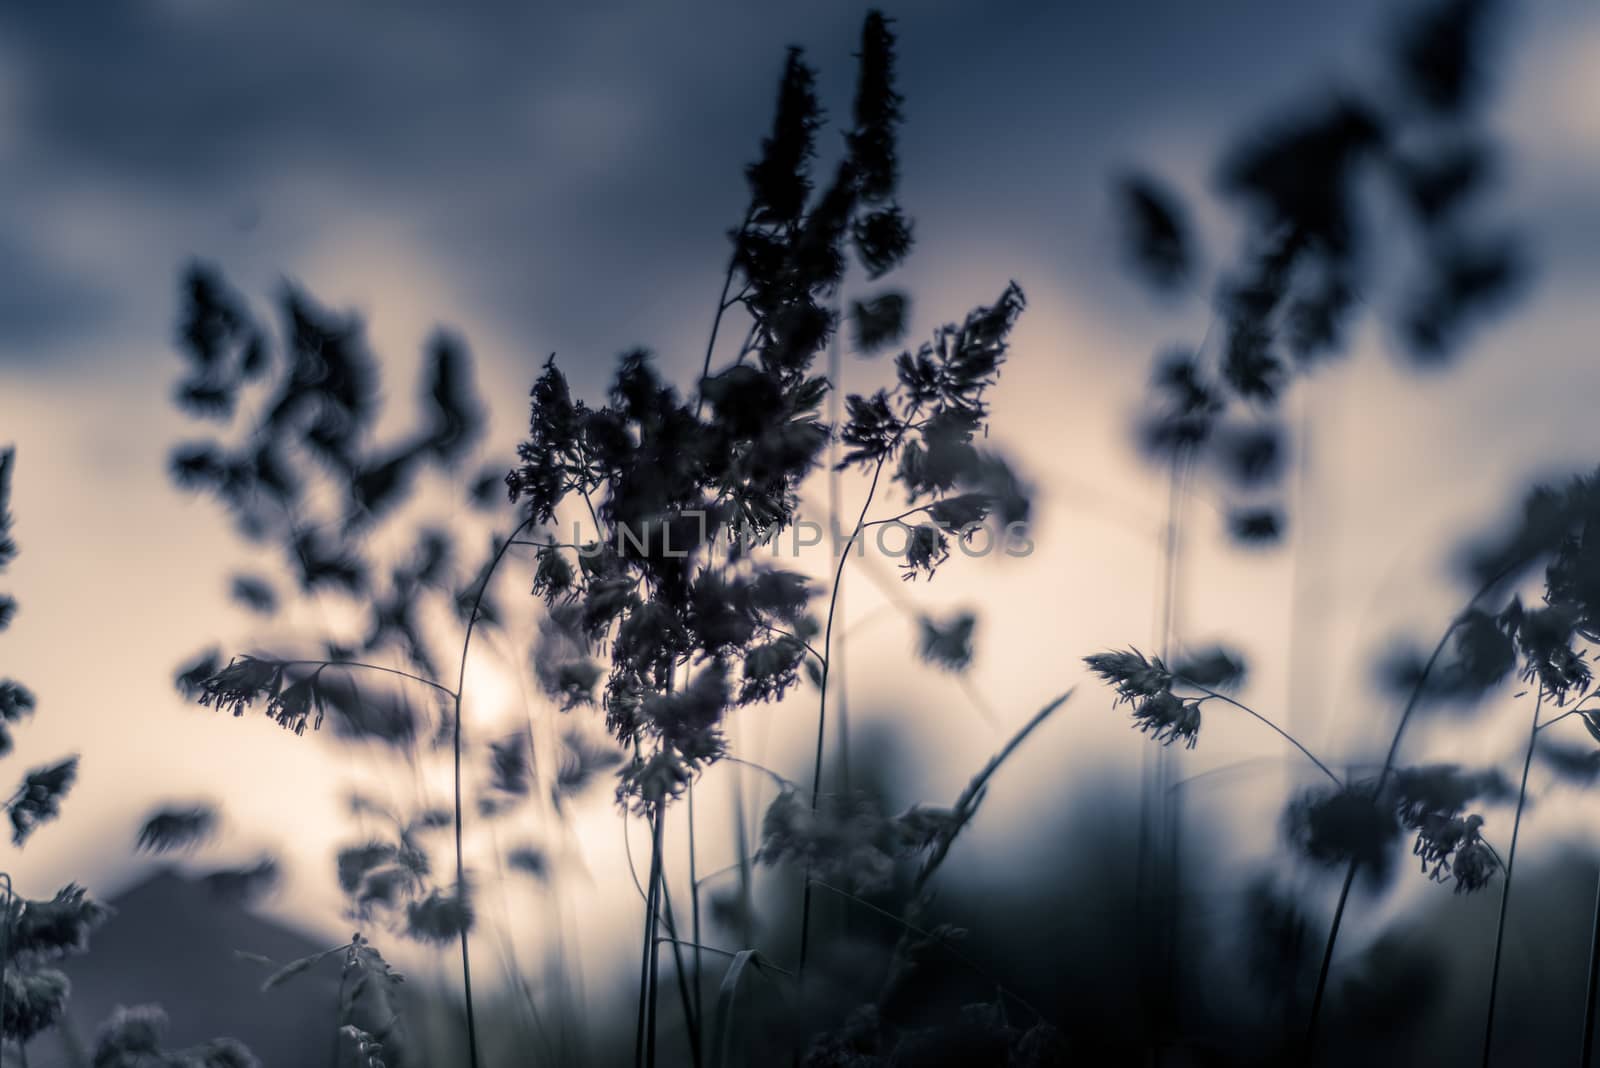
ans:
(1592, 991)
(1417, 690)
(1505, 889)
(461, 869)
(694, 909)
(647, 950)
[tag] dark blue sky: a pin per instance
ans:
(572, 168)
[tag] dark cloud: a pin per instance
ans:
(41, 301)
(563, 163)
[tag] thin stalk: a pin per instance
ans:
(730, 954)
(961, 814)
(822, 700)
(691, 1014)
(741, 833)
(1593, 989)
(694, 1017)
(1213, 695)
(508, 948)
(903, 515)
(716, 872)
(633, 870)
(653, 958)
(1250, 763)
(967, 803)
(791, 634)
(648, 950)
(722, 306)
(841, 699)
(338, 1016)
(323, 664)
(695, 931)
(1505, 889)
(658, 887)
(763, 769)
(1575, 710)
(461, 867)
(1383, 777)
(558, 1047)
(5, 950)
(694, 909)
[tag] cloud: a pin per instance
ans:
(42, 302)
(562, 162)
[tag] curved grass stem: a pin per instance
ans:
(723, 304)
(694, 922)
(1592, 991)
(1213, 695)
(966, 805)
(461, 868)
(322, 665)
(691, 1011)
(1417, 690)
(822, 686)
(648, 950)
(1505, 889)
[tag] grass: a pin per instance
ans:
(657, 618)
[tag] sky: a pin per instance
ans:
(561, 179)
